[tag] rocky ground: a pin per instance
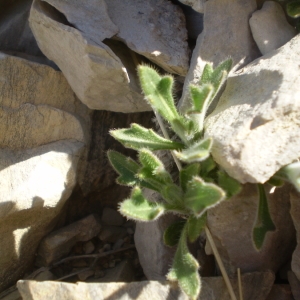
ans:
(68, 76)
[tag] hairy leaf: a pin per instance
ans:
(201, 196)
(158, 92)
(187, 173)
(293, 9)
(200, 96)
(291, 173)
(228, 184)
(263, 223)
(138, 208)
(173, 232)
(195, 226)
(207, 166)
(125, 167)
(138, 137)
(195, 153)
(185, 269)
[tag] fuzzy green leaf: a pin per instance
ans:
(293, 9)
(173, 232)
(138, 137)
(263, 223)
(195, 153)
(126, 167)
(153, 167)
(291, 173)
(206, 74)
(185, 269)
(187, 173)
(228, 184)
(200, 96)
(207, 166)
(158, 92)
(195, 226)
(138, 208)
(201, 196)
(275, 181)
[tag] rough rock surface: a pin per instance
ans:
(155, 258)
(60, 242)
(90, 18)
(295, 213)
(280, 292)
(197, 5)
(231, 224)
(98, 77)
(226, 34)
(255, 126)
(34, 185)
(295, 285)
(255, 286)
(43, 131)
(270, 27)
(154, 29)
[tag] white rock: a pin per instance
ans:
(90, 17)
(255, 286)
(295, 213)
(95, 73)
(197, 5)
(34, 185)
(255, 127)
(231, 224)
(226, 34)
(154, 29)
(270, 27)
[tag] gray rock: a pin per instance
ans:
(88, 247)
(155, 258)
(255, 125)
(110, 234)
(60, 242)
(97, 75)
(295, 214)
(154, 29)
(226, 34)
(34, 186)
(112, 217)
(90, 17)
(280, 292)
(255, 286)
(15, 33)
(231, 224)
(270, 27)
(197, 5)
(295, 285)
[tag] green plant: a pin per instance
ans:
(200, 183)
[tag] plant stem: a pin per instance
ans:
(220, 263)
(166, 135)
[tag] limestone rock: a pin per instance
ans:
(255, 126)
(34, 185)
(99, 78)
(231, 224)
(43, 133)
(60, 242)
(280, 292)
(226, 34)
(295, 285)
(90, 17)
(197, 5)
(295, 214)
(270, 27)
(155, 257)
(15, 33)
(255, 286)
(154, 29)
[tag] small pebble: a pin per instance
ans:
(85, 275)
(118, 244)
(88, 247)
(130, 231)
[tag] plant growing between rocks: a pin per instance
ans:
(200, 185)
